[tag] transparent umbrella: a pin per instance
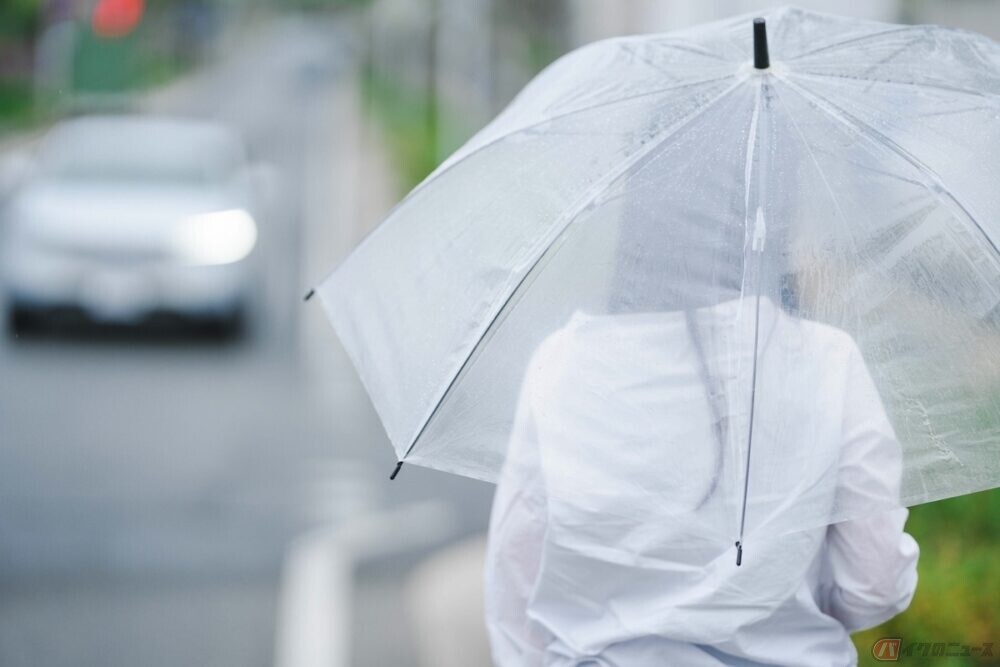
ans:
(756, 288)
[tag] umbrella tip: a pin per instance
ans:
(761, 58)
(739, 554)
(309, 295)
(399, 464)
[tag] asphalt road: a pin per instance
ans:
(149, 488)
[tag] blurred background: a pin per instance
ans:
(190, 472)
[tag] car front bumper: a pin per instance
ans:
(124, 291)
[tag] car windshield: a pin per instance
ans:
(137, 155)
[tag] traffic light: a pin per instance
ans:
(116, 18)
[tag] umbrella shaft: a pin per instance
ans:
(753, 400)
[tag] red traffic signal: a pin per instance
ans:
(116, 18)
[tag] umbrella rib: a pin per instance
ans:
(812, 156)
(683, 47)
(560, 228)
(930, 178)
(891, 56)
(914, 84)
(855, 40)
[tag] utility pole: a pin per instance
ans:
(430, 92)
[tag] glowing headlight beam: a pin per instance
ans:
(220, 237)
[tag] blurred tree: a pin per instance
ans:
(319, 5)
(20, 19)
(130, 44)
(452, 64)
(544, 25)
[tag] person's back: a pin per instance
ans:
(612, 537)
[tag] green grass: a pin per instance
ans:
(958, 595)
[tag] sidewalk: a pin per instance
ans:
(387, 597)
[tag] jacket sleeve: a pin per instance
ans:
(517, 529)
(872, 562)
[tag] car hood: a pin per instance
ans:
(109, 217)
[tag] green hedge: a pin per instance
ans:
(958, 595)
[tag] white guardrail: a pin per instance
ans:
(316, 600)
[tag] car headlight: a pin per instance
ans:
(221, 237)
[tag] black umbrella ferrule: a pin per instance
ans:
(761, 58)
(739, 554)
(309, 295)
(395, 472)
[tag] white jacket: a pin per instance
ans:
(613, 527)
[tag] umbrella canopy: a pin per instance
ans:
(719, 289)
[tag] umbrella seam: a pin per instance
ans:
(931, 180)
(915, 84)
(445, 167)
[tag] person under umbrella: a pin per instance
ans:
(711, 320)
(610, 537)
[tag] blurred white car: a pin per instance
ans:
(126, 218)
